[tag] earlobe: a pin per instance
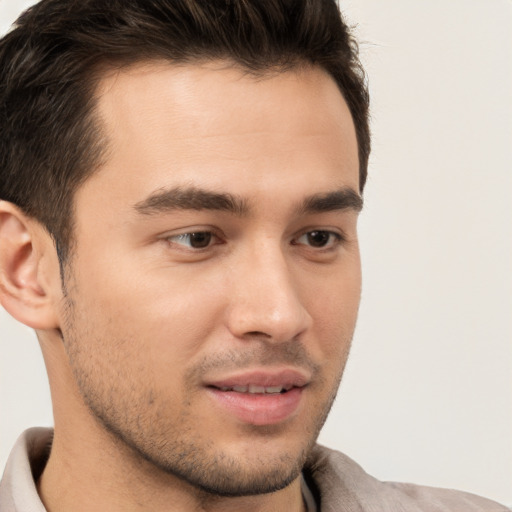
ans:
(27, 290)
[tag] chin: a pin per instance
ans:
(227, 475)
(252, 465)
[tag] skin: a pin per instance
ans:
(145, 321)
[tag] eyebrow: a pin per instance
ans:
(193, 198)
(342, 199)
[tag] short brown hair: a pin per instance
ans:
(50, 62)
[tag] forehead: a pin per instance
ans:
(214, 87)
(213, 124)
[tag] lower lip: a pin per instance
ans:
(259, 408)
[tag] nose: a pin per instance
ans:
(265, 299)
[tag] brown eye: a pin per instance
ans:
(319, 239)
(199, 240)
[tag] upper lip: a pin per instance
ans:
(285, 377)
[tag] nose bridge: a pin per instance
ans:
(266, 298)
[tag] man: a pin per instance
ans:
(180, 189)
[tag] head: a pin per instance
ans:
(196, 169)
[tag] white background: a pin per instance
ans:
(427, 395)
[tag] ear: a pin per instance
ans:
(29, 269)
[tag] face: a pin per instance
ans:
(213, 290)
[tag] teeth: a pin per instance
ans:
(276, 389)
(257, 389)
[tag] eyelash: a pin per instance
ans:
(334, 239)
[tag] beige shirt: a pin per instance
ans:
(336, 482)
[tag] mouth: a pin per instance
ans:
(260, 397)
(256, 390)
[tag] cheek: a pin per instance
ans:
(137, 294)
(334, 307)
(164, 319)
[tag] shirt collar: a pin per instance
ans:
(18, 492)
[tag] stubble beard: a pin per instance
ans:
(178, 449)
(198, 462)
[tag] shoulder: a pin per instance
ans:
(343, 485)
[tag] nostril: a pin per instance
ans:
(258, 334)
